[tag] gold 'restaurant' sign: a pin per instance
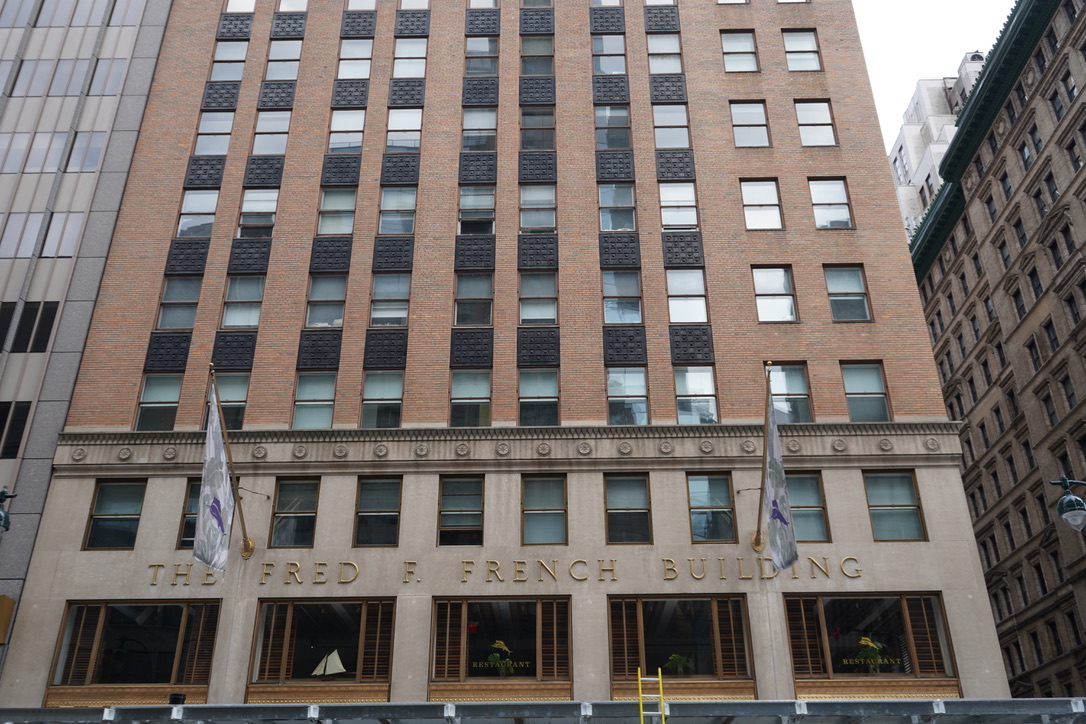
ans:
(608, 570)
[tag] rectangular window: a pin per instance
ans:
(774, 295)
(711, 633)
(313, 400)
(382, 399)
(397, 210)
(481, 56)
(233, 395)
(460, 519)
(671, 126)
(788, 388)
(740, 52)
(480, 130)
(474, 298)
(749, 124)
(608, 54)
(678, 206)
(628, 514)
(213, 134)
(801, 50)
(894, 506)
(536, 128)
(537, 54)
(197, 214)
(830, 200)
(187, 535)
(410, 58)
(326, 298)
(627, 396)
(537, 209)
(761, 204)
(686, 296)
(848, 294)
(621, 297)
(900, 636)
(538, 298)
(389, 303)
(808, 507)
(476, 210)
(177, 309)
(543, 511)
(612, 127)
(345, 131)
(115, 515)
(108, 74)
(158, 402)
(404, 130)
(354, 58)
(257, 218)
(297, 641)
(712, 512)
(86, 152)
(695, 395)
(865, 393)
(534, 632)
(538, 397)
(470, 401)
(378, 518)
(103, 643)
(815, 123)
(294, 522)
(336, 215)
(229, 61)
(665, 53)
(617, 207)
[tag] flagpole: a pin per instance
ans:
(757, 541)
(247, 544)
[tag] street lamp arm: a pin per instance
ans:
(1066, 483)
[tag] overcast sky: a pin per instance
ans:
(906, 41)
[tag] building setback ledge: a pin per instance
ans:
(949, 711)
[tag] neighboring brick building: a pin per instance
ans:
(495, 370)
(1000, 266)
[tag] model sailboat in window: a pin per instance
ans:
(329, 665)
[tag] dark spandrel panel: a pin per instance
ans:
(691, 344)
(276, 94)
(472, 348)
(400, 169)
(537, 251)
(168, 351)
(187, 256)
(483, 22)
(205, 172)
(407, 92)
(538, 347)
(537, 21)
(235, 26)
(474, 252)
(607, 20)
(221, 96)
(620, 251)
(480, 92)
(393, 253)
(359, 24)
(683, 249)
(412, 22)
(234, 350)
(350, 93)
(385, 349)
(610, 89)
(537, 90)
(667, 88)
(538, 167)
(249, 256)
(675, 164)
(319, 349)
(662, 19)
(614, 166)
(624, 346)
(264, 171)
(330, 254)
(288, 25)
(478, 168)
(341, 169)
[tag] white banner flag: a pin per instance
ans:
(216, 511)
(782, 534)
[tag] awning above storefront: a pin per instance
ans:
(958, 711)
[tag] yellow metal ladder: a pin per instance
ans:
(661, 710)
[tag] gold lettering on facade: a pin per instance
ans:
(795, 575)
(723, 574)
(492, 568)
(265, 571)
(319, 574)
(209, 577)
(670, 572)
(518, 571)
(409, 570)
(552, 571)
(856, 572)
(610, 569)
(465, 570)
(292, 572)
(572, 575)
(177, 573)
(741, 576)
(155, 568)
(693, 575)
(825, 568)
(762, 562)
(343, 569)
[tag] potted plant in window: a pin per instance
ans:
(501, 659)
(871, 653)
(679, 664)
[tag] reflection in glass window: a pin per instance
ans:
(712, 514)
